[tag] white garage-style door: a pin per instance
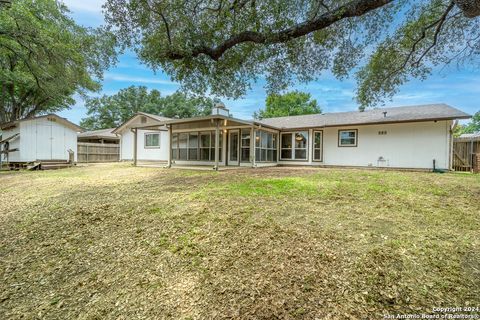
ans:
(50, 141)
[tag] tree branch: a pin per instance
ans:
(352, 9)
(440, 23)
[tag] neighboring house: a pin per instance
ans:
(99, 136)
(417, 137)
(48, 137)
(151, 144)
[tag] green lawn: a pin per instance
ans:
(119, 242)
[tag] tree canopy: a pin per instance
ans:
(46, 58)
(221, 46)
(292, 103)
(109, 111)
(472, 127)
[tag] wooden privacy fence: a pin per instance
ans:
(97, 152)
(466, 155)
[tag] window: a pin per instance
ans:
(317, 145)
(294, 146)
(193, 146)
(347, 138)
(265, 146)
(152, 140)
(287, 147)
(245, 146)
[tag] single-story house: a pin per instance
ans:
(42, 138)
(99, 136)
(150, 144)
(414, 137)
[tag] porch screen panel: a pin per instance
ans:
(212, 149)
(183, 146)
(205, 146)
(245, 146)
(265, 146)
(193, 146)
(175, 146)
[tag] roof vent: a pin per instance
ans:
(384, 114)
(220, 110)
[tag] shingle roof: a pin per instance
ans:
(469, 137)
(50, 115)
(374, 116)
(102, 133)
(151, 116)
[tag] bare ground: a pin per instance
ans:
(119, 242)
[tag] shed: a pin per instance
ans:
(42, 138)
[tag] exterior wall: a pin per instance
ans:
(42, 139)
(149, 154)
(126, 146)
(406, 145)
(152, 153)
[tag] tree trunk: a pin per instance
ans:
(470, 8)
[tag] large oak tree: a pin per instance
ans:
(46, 58)
(222, 46)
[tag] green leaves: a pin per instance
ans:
(472, 127)
(111, 111)
(45, 58)
(292, 103)
(222, 47)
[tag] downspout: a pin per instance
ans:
(135, 146)
(170, 150)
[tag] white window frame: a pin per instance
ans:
(347, 145)
(293, 133)
(321, 146)
(145, 140)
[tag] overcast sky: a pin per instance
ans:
(459, 88)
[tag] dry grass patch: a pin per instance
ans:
(118, 242)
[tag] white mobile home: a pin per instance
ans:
(150, 144)
(48, 137)
(412, 137)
